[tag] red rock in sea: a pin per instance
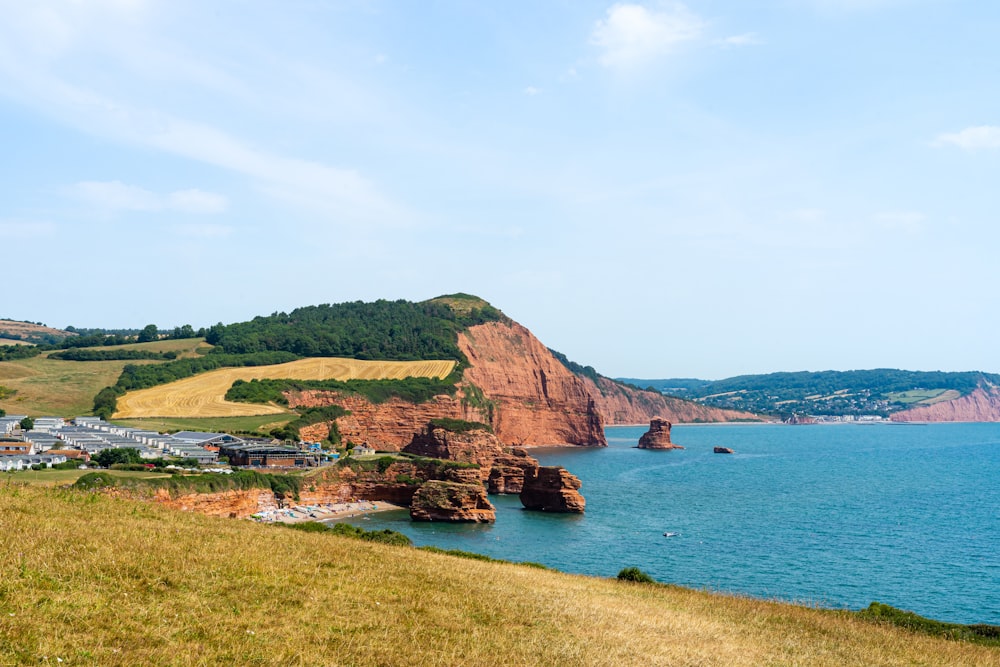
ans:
(658, 435)
(452, 501)
(551, 489)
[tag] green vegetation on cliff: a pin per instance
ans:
(411, 389)
(387, 330)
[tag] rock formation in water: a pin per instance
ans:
(982, 405)
(474, 445)
(453, 502)
(658, 435)
(551, 489)
(508, 470)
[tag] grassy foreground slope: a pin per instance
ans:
(96, 580)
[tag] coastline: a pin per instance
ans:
(323, 512)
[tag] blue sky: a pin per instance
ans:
(657, 189)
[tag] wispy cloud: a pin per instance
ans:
(746, 39)
(115, 196)
(141, 116)
(531, 91)
(980, 137)
(632, 34)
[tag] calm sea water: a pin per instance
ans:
(834, 515)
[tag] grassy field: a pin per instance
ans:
(204, 395)
(259, 423)
(67, 388)
(50, 477)
(924, 396)
(94, 580)
(53, 387)
(184, 347)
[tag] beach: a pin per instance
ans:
(323, 511)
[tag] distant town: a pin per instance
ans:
(44, 442)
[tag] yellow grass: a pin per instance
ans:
(91, 580)
(204, 395)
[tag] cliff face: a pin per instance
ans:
(623, 405)
(518, 387)
(982, 405)
(387, 426)
(536, 400)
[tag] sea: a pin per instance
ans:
(829, 515)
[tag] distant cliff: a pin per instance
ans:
(620, 404)
(982, 405)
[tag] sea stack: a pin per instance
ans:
(551, 489)
(658, 435)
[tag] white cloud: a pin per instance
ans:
(631, 34)
(197, 201)
(746, 39)
(114, 196)
(18, 229)
(116, 30)
(531, 91)
(972, 138)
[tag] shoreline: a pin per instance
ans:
(302, 513)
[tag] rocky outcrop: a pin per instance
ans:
(508, 470)
(477, 446)
(452, 501)
(982, 405)
(388, 426)
(722, 450)
(551, 489)
(237, 504)
(619, 404)
(658, 435)
(531, 398)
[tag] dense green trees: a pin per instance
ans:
(109, 457)
(400, 330)
(148, 334)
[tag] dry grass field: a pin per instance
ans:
(93, 580)
(204, 395)
(52, 387)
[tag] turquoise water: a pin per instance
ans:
(834, 515)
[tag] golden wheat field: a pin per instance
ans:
(204, 395)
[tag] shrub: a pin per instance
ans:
(636, 575)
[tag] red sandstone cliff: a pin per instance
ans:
(516, 385)
(982, 405)
(619, 404)
(536, 400)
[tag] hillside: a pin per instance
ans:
(13, 332)
(502, 375)
(103, 581)
(904, 395)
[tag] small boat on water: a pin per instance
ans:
(671, 534)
